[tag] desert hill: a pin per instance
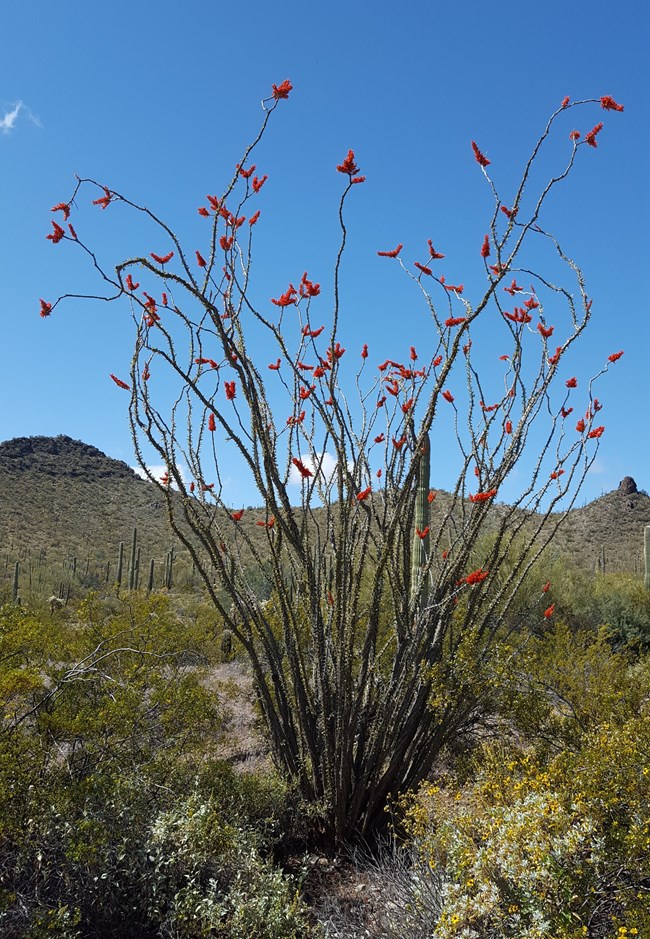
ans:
(61, 498)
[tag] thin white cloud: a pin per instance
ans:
(324, 462)
(8, 121)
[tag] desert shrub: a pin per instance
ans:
(546, 834)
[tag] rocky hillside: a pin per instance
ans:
(60, 497)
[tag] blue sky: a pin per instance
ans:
(158, 102)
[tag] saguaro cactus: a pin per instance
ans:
(646, 556)
(420, 548)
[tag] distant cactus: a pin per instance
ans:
(15, 584)
(120, 564)
(646, 556)
(150, 578)
(132, 565)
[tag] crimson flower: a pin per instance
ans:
(425, 270)
(203, 211)
(146, 374)
(391, 254)
(237, 516)
(313, 333)
(455, 320)
(485, 247)
(508, 427)
(192, 487)
(422, 533)
(596, 433)
(231, 390)
(574, 135)
(448, 396)
(513, 288)
(531, 303)
(120, 383)
(436, 256)
(406, 407)
(105, 199)
(483, 496)
(546, 587)
(379, 438)
(566, 411)
(413, 354)
(451, 288)
(481, 159)
(207, 487)
(580, 426)
(304, 471)
(253, 219)
(162, 259)
(565, 101)
(398, 444)
(259, 182)
(282, 90)
(308, 288)
(436, 362)
(364, 494)
(62, 207)
(200, 260)
(557, 473)
(275, 367)
(549, 611)
(571, 383)
(225, 242)
(129, 283)
(608, 104)
(364, 351)
(212, 424)
(72, 231)
(590, 138)
(348, 165)
(286, 299)
(246, 174)
(545, 331)
(476, 576)
(58, 233)
(615, 356)
(46, 309)
(431, 496)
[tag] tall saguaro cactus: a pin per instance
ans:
(420, 547)
(646, 556)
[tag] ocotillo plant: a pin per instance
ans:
(361, 683)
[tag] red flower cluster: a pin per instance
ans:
(549, 611)
(348, 165)
(436, 256)
(476, 576)
(62, 207)
(480, 158)
(120, 383)
(485, 247)
(391, 254)
(105, 199)
(483, 496)
(307, 288)
(590, 138)
(286, 299)
(162, 258)
(571, 383)
(200, 260)
(608, 104)
(364, 494)
(545, 331)
(455, 320)
(304, 471)
(425, 270)
(282, 90)
(596, 433)
(129, 283)
(237, 516)
(46, 309)
(58, 233)
(615, 356)
(212, 424)
(422, 532)
(231, 390)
